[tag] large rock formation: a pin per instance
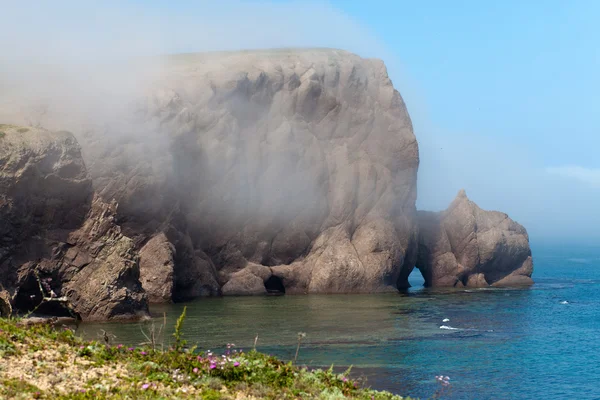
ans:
(304, 161)
(157, 266)
(467, 246)
(236, 173)
(60, 246)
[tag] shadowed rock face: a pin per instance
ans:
(54, 230)
(467, 246)
(303, 161)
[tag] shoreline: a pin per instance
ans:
(41, 361)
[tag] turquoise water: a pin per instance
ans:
(505, 344)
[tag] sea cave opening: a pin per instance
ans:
(274, 286)
(30, 298)
(415, 280)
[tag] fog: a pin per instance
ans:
(75, 57)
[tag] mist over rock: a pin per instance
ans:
(467, 246)
(54, 231)
(234, 173)
(300, 160)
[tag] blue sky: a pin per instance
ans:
(525, 71)
(504, 95)
(507, 96)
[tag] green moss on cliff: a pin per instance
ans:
(4, 128)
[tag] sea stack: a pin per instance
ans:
(467, 246)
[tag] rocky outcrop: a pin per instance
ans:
(237, 173)
(101, 271)
(157, 266)
(252, 280)
(61, 246)
(467, 246)
(5, 304)
(300, 160)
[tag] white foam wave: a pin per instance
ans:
(564, 302)
(448, 328)
(446, 320)
(579, 260)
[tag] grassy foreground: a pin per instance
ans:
(43, 362)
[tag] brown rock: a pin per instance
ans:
(55, 234)
(43, 183)
(244, 283)
(5, 306)
(157, 265)
(477, 281)
(108, 287)
(467, 245)
(303, 159)
(195, 273)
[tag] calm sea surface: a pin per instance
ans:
(542, 342)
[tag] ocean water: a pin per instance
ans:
(540, 342)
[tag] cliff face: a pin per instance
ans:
(58, 242)
(238, 174)
(467, 246)
(301, 164)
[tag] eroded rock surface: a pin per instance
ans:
(157, 266)
(467, 246)
(58, 240)
(109, 286)
(300, 160)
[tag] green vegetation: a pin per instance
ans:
(43, 362)
(4, 127)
